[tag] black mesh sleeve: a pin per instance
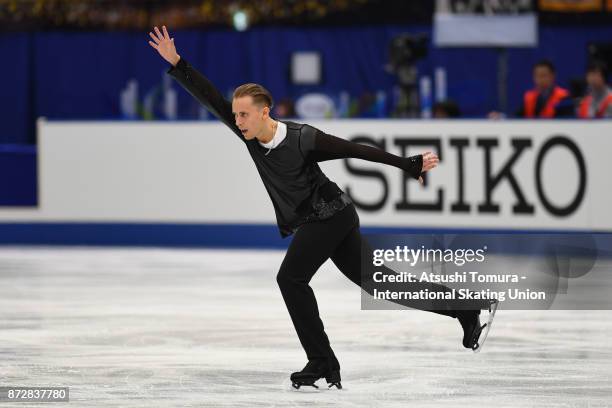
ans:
(205, 92)
(328, 147)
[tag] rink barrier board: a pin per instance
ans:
(262, 236)
(134, 183)
(555, 174)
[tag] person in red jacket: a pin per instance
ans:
(597, 103)
(546, 100)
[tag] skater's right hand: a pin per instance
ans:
(164, 45)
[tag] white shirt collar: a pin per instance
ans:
(279, 136)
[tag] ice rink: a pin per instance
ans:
(193, 327)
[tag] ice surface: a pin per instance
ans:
(177, 327)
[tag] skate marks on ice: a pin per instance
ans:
(134, 327)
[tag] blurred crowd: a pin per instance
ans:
(590, 98)
(130, 14)
(548, 100)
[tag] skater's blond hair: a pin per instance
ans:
(261, 96)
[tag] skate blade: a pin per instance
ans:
(298, 386)
(486, 327)
(294, 387)
(319, 386)
(336, 384)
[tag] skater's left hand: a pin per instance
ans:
(430, 160)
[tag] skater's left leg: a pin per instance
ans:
(354, 252)
(348, 258)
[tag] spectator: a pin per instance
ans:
(597, 103)
(285, 109)
(546, 99)
(446, 109)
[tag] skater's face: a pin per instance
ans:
(250, 117)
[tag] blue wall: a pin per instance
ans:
(79, 75)
(18, 176)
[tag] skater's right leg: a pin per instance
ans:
(311, 246)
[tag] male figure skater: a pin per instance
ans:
(307, 204)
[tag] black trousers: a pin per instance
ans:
(337, 238)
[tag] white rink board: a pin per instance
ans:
(200, 172)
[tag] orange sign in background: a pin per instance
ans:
(573, 5)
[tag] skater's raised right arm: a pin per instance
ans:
(193, 81)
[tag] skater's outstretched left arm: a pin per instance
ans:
(319, 146)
